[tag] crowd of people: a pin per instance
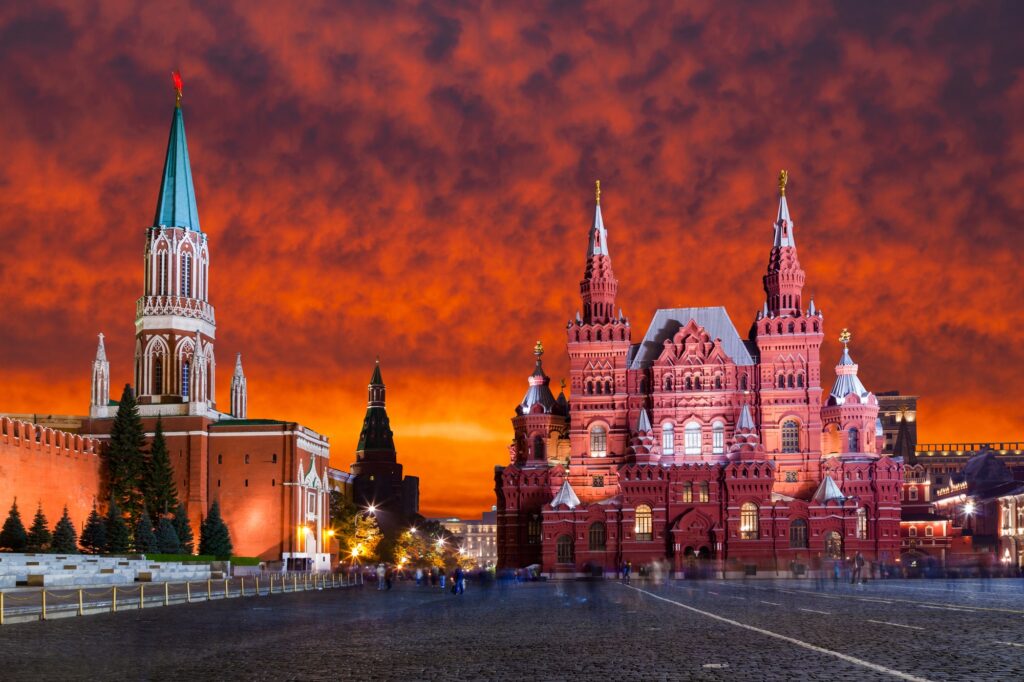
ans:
(453, 580)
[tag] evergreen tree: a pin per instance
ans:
(184, 530)
(118, 540)
(214, 537)
(145, 539)
(39, 535)
(13, 535)
(124, 457)
(167, 538)
(94, 534)
(161, 494)
(65, 539)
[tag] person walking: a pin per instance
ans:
(460, 578)
(626, 569)
(419, 577)
(858, 569)
(442, 576)
(381, 572)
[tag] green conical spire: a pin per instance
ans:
(376, 379)
(176, 205)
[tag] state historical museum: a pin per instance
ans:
(694, 444)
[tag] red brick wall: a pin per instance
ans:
(54, 468)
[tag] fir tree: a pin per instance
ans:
(65, 539)
(124, 455)
(145, 539)
(184, 530)
(161, 495)
(94, 534)
(214, 537)
(118, 540)
(13, 535)
(167, 538)
(39, 535)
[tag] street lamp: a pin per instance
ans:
(969, 507)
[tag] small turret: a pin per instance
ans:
(239, 396)
(643, 445)
(851, 412)
(100, 394)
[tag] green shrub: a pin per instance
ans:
(245, 560)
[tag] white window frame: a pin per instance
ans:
(718, 438)
(692, 436)
(598, 446)
(668, 438)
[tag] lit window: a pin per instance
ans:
(533, 530)
(790, 436)
(644, 523)
(598, 442)
(718, 438)
(692, 439)
(862, 524)
(687, 492)
(854, 440)
(928, 532)
(668, 439)
(798, 533)
(597, 537)
(704, 493)
(748, 521)
(184, 380)
(563, 548)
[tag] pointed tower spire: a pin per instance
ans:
(176, 203)
(599, 285)
(847, 382)
(784, 281)
(538, 398)
(376, 435)
(239, 396)
(100, 382)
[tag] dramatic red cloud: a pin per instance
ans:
(414, 180)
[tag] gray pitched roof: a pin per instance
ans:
(828, 491)
(567, 496)
(667, 322)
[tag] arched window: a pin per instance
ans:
(792, 383)
(668, 382)
(692, 439)
(854, 444)
(598, 442)
(590, 388)
(748, 521)
(162, 273)
(912, 532)
(689, 383)
(862, 524)
(158, 376)
(718, 438)
(718, 382)
(798, 533)
(743, 382)
(799, 380)
(598, 336)
(600, 388)
(912, 494)
(928, 532)
(782, 381)
(608, 388)
(704, 492)
(538, 447)
(186, 275)
(644, 523)
(790, 436)
(792, 328)
(184, 379)
(687, 492)
(533, 530)
(563, 548)
(696, 383)
(597, 537)
(668, 439)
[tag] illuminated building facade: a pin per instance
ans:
(477, 538)
(695, 443)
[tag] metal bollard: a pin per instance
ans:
(257, 586)
(43, 615)
(295, 583)
(1, 608)
(81, 610)
(167, 594)
(142, 594)
(188, 593)
(113, 602)
(209, 588)
(225, 588)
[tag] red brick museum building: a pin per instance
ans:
(694, 443)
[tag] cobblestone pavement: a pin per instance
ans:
(711, 630)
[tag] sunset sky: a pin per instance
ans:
(415, 181)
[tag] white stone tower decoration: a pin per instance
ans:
(239, 408)
(100, 400)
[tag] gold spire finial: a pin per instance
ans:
(783, 179)
(538, 350)
(563, 385)
(844, 337)
(176, 78)
(597, 192)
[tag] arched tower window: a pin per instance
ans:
(597, 537)
(538, 447)
(687, 492)
(161, 281)
(799, 380)
(158, 375)
(782, 381)
(718, 382)
(748, 521)
(186, 274)
(644, 528)
(743, 382)
(608, 388)
(598, 442)
(696, 383)
(692, 439)
(668, 439)
(184, 379)
(718, 438)
(790, 436)
(668, 382)
(689, 383)
(854, 440)
(791, 381)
